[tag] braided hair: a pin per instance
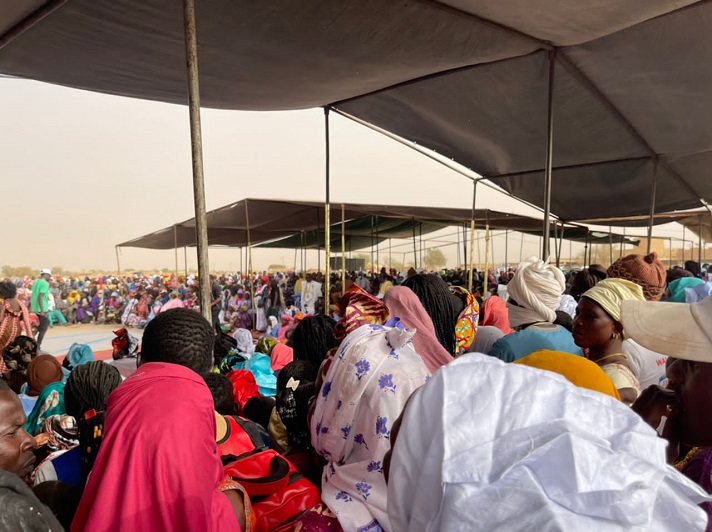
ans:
(293, 402)
(313, 338)
(434, 295)
(179, 336)
(86, 395)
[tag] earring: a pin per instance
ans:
(615, 336)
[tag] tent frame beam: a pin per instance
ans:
(29, 21)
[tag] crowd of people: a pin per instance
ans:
(378, 401)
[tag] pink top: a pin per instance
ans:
(404, 304)
(158, 467)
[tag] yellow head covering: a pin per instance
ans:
(609, 293)
(577, 370)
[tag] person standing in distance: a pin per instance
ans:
(39, 304)
(215, 300)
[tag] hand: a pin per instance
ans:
(657, 403)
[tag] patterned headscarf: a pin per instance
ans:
(356, 308)
(18, 355)
(265, 343)
(49, 403)
(646, 271)
(466, 327)
(59, 433)
(368, 383)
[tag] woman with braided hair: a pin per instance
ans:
(434, 295)
(85, 396)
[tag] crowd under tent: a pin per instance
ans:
(585, 109)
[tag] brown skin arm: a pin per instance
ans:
(238, 504)
(628, 395)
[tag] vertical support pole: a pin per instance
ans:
(378, 258)
(506, 250)
(318, 247)
(464, 245)
(561, 239)
(327, 214)
(373, 264)
(487, 252)
(521, 247)
(343, 249)
(653, 193)
(585, 251)
(556, 241)
(684, 241)
(549, 156)
(175, 248)
(415, 249)
(196, 142)
(470, 265)
(699, 245)
(590, 252)
(620, 253)
(610, 245)
(671, 259)
(249, 268)
(390, 255)
(457, 247)
(118, 261)
(420, 243)
(185, 260)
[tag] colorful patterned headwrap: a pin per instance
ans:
(357, 307)
(466, 326)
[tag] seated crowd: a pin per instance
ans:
(403, 402)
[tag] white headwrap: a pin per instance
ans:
(492, 446)
(365, 390)
(536, 287)
(245, 344)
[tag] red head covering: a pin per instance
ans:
(404, 304)
(357, 307)
(281, 355)
(496, 314)
(158, 467)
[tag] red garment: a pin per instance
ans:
(496, 314)
(244, 386)
(158, 467)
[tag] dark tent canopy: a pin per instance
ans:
(466, 79)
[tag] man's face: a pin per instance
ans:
(692, 384)
(16, 444)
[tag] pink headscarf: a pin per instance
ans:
(404, 304)
(496, 314)
(158, 467)
(284, 328)
(281, 355)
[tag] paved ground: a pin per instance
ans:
(59, 339)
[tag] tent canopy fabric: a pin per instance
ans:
(296, 224)
(466, 78)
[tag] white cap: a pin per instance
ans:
(676, 329)
(46, 271)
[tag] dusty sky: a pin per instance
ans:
(85, 171)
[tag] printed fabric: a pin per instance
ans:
(368, 383)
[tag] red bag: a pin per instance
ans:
(277, 490)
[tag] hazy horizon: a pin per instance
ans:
(87, 171)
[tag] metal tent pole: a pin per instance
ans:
(175, 247)
(671, 259)
(327, 214)
(378, 258)
(249, 268)
(487, 251)
(390, 255)
(185, 259)
(196, 142)
(318, 247)
(556, 242)
(472, 236)
(464, 245)
(415, 249)
(118, 261)
(653, 193)
(506, 250)
(372, 262)
(699, 245)
(457, 247)
(585, 250)
(343, 249)
(684, 234)
(420, 243)
(549, 155)
(561, 240)
(610, 245)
